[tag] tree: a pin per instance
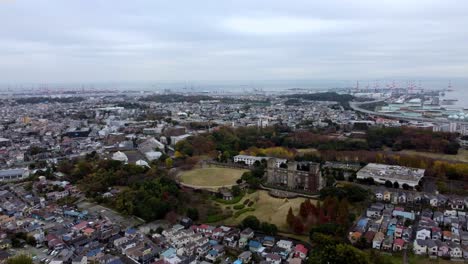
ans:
(303, 210)
(20, 259)
(396, 185)
(298, 226)
(169, 163)
(236, 191)
(388, 184)
(124, 202)
(30, 240)
(452, 148)
(290, 217)
(406, 186)
(193, 214)
(251, 222)
(269, 229)
(329, 250)
(330, 181)
(342, 215)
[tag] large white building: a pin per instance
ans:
(382, 173)
(120, 156)
(250, 160)
(13, 174)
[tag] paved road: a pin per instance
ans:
(356, 106)
(211, 188)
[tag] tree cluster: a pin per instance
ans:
(332, 212)
(255, 224)
(411, 138)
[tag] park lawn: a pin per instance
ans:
(462, 155)
(269, 209)
(212, 176)
(307, 150)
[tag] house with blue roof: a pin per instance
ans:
(361, 225)
(75, 214)
(391, 229)
(169, 253)
(93, 253)
(268, 241)
(254, 245)
(404, 214)
(115, 261)
(130, 232)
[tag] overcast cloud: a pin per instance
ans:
(122, 40)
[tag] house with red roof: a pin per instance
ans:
(88, 231)
(300, 251)
(80, 226)
(398, 244)
(54, 242)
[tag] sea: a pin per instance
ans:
(458, 87)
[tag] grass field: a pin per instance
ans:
(269, 209)
(462, 155)
(307, 150)
(212, 176)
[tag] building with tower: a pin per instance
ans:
(301, 176)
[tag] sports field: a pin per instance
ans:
(211, 177)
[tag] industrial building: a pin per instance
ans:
(382, 173)
(13, 174)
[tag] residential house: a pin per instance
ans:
(300, 251)
(407, 234)
(419, 247)
(377, 241)
(285, 244)
(387, 196)
(432, 248)
(436, 233)
(456, 251)
(245, 256)
(438, 217)
(443, 250)
(379, 194)
(457, 203)
(447, 235)
(254, 246)
(387, 243)
(268, 241)
(401, 198)
(273, 258)
(423, 233)
(433, 201)
(464, 237)
(247, 233)
(398, 244)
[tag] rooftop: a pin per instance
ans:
(391, 172)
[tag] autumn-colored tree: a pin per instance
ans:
(169, 163)
(309, 206)
(298, 226)
(342, 215)
(303, 210)
(171, 217)
(290, 217)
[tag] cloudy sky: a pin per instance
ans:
(122, 40)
